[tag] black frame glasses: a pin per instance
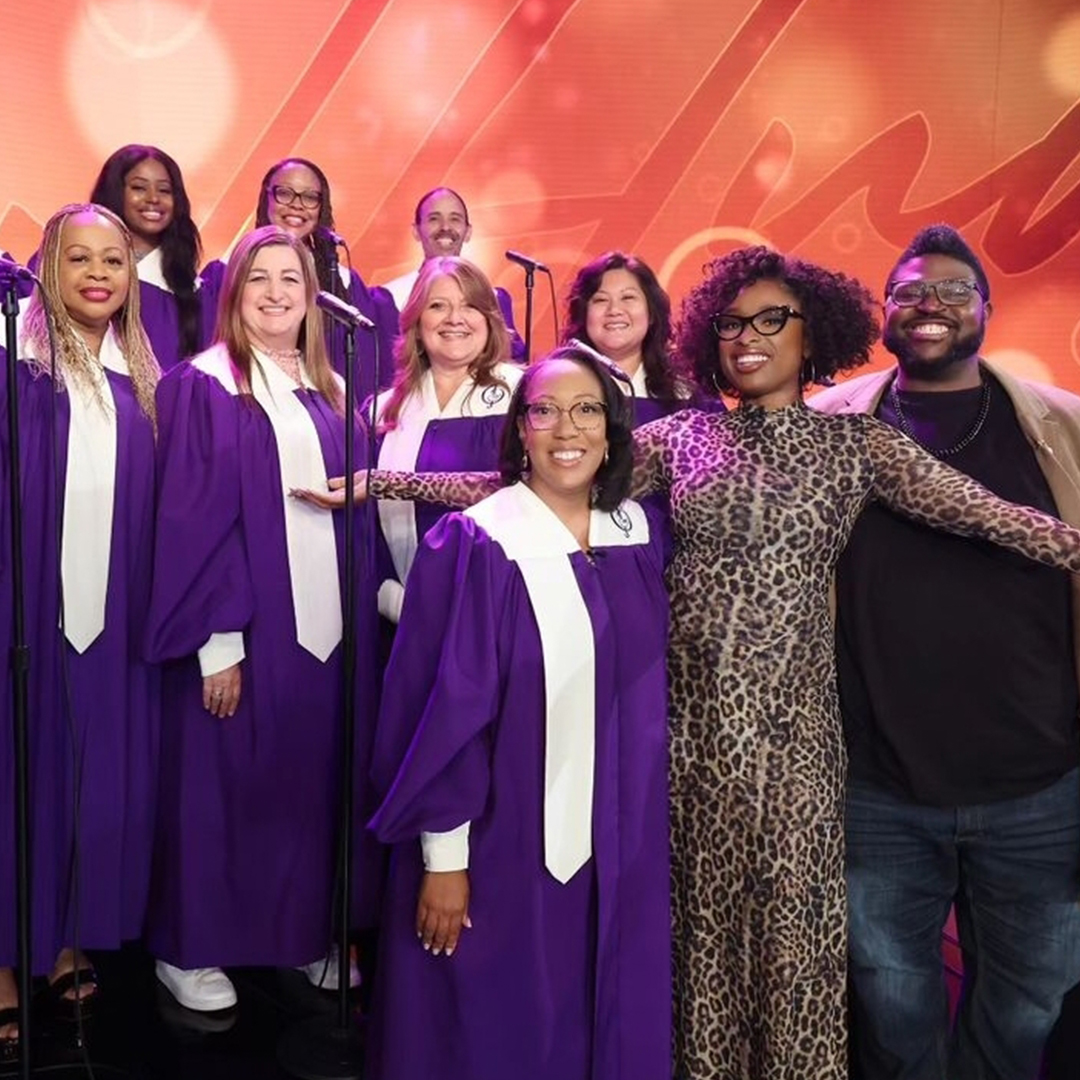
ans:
(767, 322)
(951, 292)
(284, 195)
(544, 415)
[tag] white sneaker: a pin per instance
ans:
(201, 989)
(323, 974)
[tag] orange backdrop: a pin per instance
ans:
(672, 128)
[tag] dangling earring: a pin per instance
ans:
(716, 383)
(605, 455)
(525, 461)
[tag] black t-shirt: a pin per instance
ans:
(955, 657)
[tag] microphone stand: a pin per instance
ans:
(318, 1048)
(20, 669)
(530, 275)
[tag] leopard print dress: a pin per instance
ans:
(762, 504)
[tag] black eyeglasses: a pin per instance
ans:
(584, 415)
(285, 196)
(768, 321)
(952, 292)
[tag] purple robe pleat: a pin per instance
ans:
(569, 981)
(245, 858)
(94, 716)
(161, 320)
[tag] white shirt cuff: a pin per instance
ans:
(446, 851)
(221, 651)
(391, 597)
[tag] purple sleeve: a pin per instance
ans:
(211, 278)
(431, 760)
(201, 580)
(506, 306)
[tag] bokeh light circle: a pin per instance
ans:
(140, 71)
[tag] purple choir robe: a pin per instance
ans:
(112, 727)
(161, 320)
(374, 302)
(553, 981)
(247, 825)
(451, 442)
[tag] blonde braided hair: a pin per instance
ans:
(74, 359)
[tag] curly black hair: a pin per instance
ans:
(660, 378)
(841, 315)
(612, 482)
(942, 239)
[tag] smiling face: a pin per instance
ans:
(442, 226)
(293, 216)
(94, 273)
(617, 318)
(764, 369)
(453, 333)
(274, 298)
(563, 461)
(933, 341)
(148, 203)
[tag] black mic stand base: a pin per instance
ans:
(319, 1048)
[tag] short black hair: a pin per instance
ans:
(942, 239)
(612, 483)
(840, 315)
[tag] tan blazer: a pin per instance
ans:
(1049, 417)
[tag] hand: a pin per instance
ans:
(442, 910)
(221, 692)
(334, 498)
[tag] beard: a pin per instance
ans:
(941, 367)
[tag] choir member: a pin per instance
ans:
(145, 187)
(294, 195)
(86, 449)
(445, 411)
(522, 755)
(618, 307)
(246, 615)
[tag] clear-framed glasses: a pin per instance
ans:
(952, 292)
(584, 415)
(767, 321)
(286, 196)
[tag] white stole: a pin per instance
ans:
(534, 538)
(401, 446)
(149, 269)
(89, 495)
(309, 531)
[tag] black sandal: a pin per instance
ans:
(70, 1007)
(9, 1044)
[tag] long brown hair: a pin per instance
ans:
(230, 327)
(410, 360)
(74, 360)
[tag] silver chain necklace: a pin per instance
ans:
(967, 440)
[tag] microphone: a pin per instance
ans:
(328, 234)
(340, 311)
(605, 362)
(12, 271)
(524, 260)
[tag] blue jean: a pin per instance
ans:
(1013, 870)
